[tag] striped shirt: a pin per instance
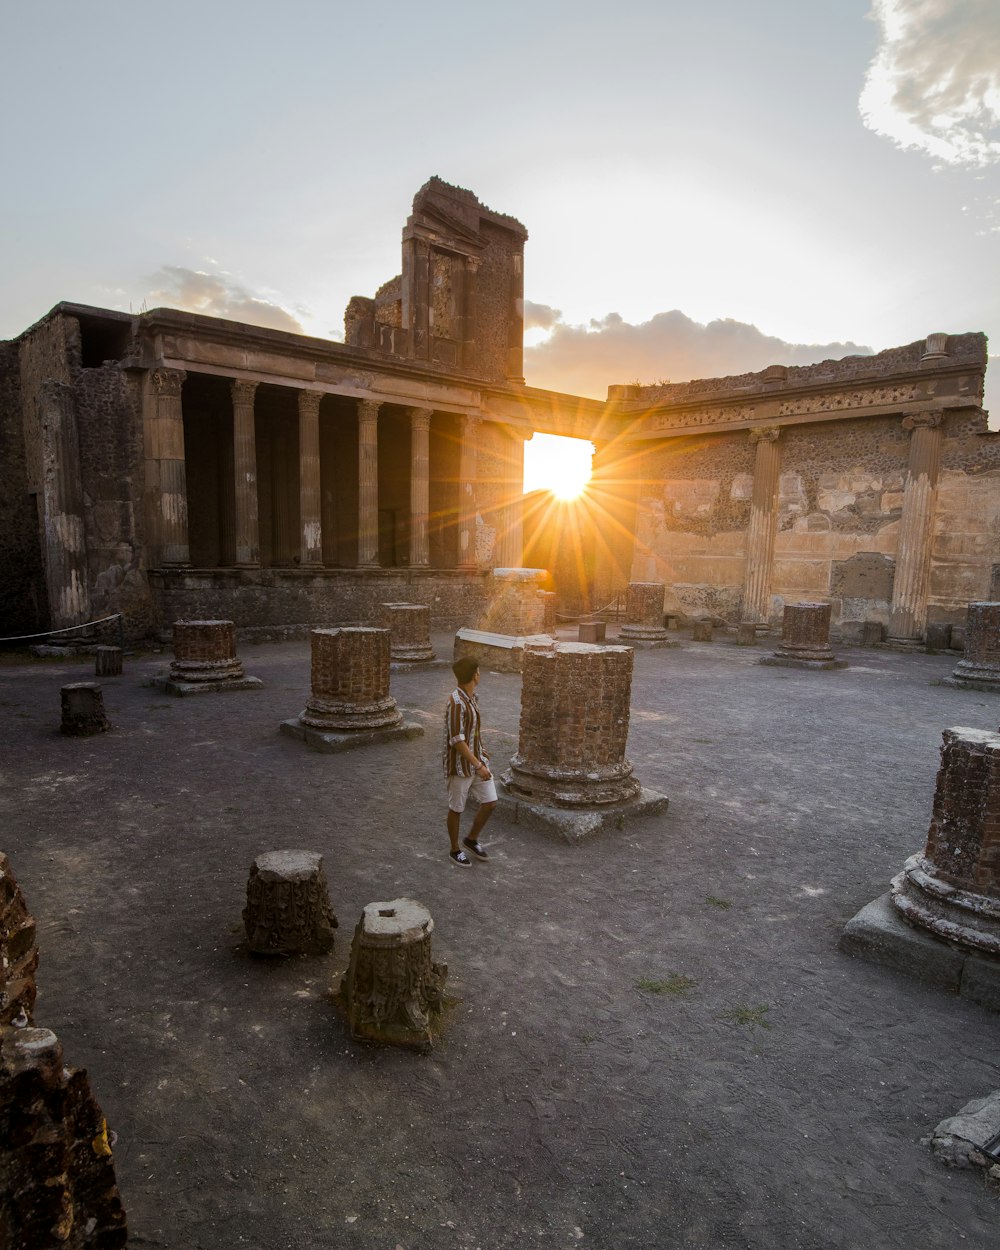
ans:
(461, 724)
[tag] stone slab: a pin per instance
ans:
(333, 742)
(969, 683)
(502, 653)
(981, 982)
(958, 1141)
(410, 666)
(781, 661)
(577, 824)
(182, 688)
(880, 935)
(638, 644)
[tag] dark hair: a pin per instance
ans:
(465, 669)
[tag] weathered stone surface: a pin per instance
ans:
(592, 631)
(879, 935)
(746, 634)
(409, 626)
(805, 639)
(701, 631)
(18, 952)
(937, 637)
(979, 667)
(107, 661)
(500, 653)
(514, 605)
(205, 661)
(288, 908)
(644, 613)
(958, 1141)
(872, 633)
(83, 711)
(393, 991)
(350, 681)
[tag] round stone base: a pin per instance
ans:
(970, 921)
(336, 714)
(969, 676)
(643, 633)
(206, 670)
(598, 787)
(419, 654)
(799, 661)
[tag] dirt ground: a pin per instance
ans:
(776, 1101)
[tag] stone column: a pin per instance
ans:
(953, 888)
(763, 520)
(805, 638)
(368, 483)
(467, 492)
(205, 660)
(247, 536)
(420, 485)
(310, 530)
(916, 531)
(350, 680)
(979, 667)
(166, 483)
(409, 626)
(644, 613)
(83, 709)
(288, 908)
(510, 545)
(62, 503)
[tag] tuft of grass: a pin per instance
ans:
(749, 1017)
(724, 903)
(675, 984)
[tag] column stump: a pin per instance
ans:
(83, 712)
(514, 617)
(570, 775)
(940, 920)
(288, 908)
(205, 661)
(979, 667)
(393, 992)
(644, 616)
(702, 631)
(409, 626)
(872, 633)
(550, 619)
(805, 639)
(592, 631)
(107, 661)
(350, 705)
(746, 634)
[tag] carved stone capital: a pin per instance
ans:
(922, 420)
(368, 411)
(243, 392)
(167, 383)
(309, 402)
(420, 419)
(765, 434)
(470, 424)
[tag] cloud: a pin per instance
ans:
(216, 295)
(540, 316)
(934, 84)
(669, 347)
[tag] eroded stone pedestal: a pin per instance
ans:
(350, 705)
(979, 667)
(644, 615)
(18, 952)
(805, 639)
(409, 626)
(393, 991)
(205, 661)
(592, 632)
(702, 631)
(288, 908)
(83, 711)
(570, 774)
(107, 661)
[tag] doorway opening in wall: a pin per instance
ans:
(560, 465)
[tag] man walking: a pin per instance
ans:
(466, 764)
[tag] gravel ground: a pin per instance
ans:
(657, 1042)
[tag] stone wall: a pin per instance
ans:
(23, 598)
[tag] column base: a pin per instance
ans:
(170, 685)
(789, 661)
(577, 825)
(334, 741)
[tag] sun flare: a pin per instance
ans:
(560, 465)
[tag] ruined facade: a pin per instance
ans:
(173, 466)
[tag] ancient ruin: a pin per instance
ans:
(409, 626)
(205, 660)
(979, 667)
(288, 908)
(107, 661)
(18, 952)
(83, 711)
(948, 895)
(644, 615)
(513, 618)
(393, 991)
(350, 705)
(570, 774)
(805, 639)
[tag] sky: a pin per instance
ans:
(707, 188)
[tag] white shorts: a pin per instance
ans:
(459, 789)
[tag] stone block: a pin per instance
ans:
(872, 633)
(746, 634)
(879, 935)
(83, 710)
(288, 908)
(592, 631)
(937, 637)
(107, 661)
(701, 631)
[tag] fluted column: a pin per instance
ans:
(247, 534)
(763, 519)
(368, 483)
(420, 485)
(62, 499)
(467, 492)
(916, 530)
(510, 544)
(310, 528)
(166, 483)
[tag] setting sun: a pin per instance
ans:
(560, 465)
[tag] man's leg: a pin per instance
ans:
(482, 816)
(454, 821)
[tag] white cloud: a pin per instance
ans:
(216, 295)
(540, 316)
(669, 347)
(934, 84)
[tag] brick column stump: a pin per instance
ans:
(549, 618)
(107, 661)
(205, 661)
(592, 631)
(570, 775)
(979, 667)
(393, 991)
(644, 616)
(805, 638)
(83, 710)
(409, 626)
(288, 908)
(350, 705)
(940, 920)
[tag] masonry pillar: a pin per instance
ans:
(470, 313)
(310, 530)
(916, 530)
(763, 520)
(247, 535)
(467, 493)
(420, 469)
(979, 667)
(62, 498)
(368, 483)
(510, 545)
(166, 485)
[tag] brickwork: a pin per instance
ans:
(18, 952)
(805, 638)
(350, 680)
(575, 708)
(513, 604)
(409, 626)
(205, 652)
(644, 612)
